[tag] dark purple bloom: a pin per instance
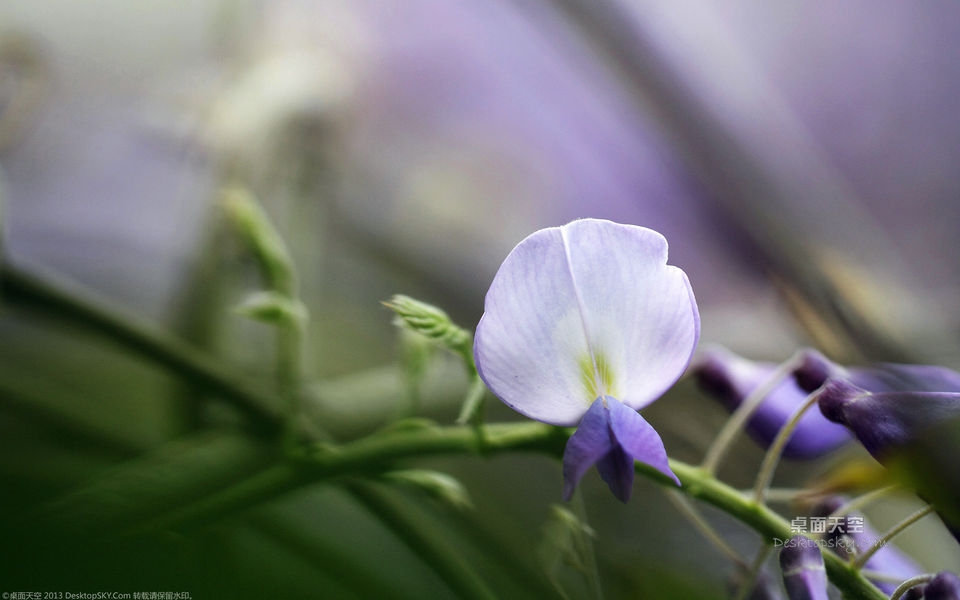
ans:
(894, 427)
(730, 379)
(887, 421)
(804, 575)
(881, 377)
(586, 323)
(945, 586)
(850, 534)
(892, 410)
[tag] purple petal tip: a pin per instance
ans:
(834, 396)
(814, 370)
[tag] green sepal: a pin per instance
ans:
(263, 239)
(433, 323)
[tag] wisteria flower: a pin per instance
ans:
(888, 421)
(816, 369)
(586, 323)
(731, 379)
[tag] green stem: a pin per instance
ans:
(373, 454)
(698, 483)
(290, 338)
(22, 288)
(894, 531)
(381, 452)
(738, 420)
(264, 485)
(472, 410)
(772, 458)
(906, 585)
(445, 560)
(860, 501)
(881, 576)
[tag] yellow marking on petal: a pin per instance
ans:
(596, 375)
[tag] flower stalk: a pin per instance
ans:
(738, 420)
(862, 558)
(381, 453)
(772, 458)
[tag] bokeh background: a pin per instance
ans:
(801, 158)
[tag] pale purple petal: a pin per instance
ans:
(638, 438)
(588, 444)
(530, 338)
(582, 311)
(638, 311)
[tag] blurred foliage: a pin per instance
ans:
(140, 406)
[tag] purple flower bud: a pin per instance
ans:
(888, 421)
(816, 369)
(945, 586)
(730, 379)
(850, 534)
(804, 575)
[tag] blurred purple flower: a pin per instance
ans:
(890, 408)
(851, 535)
(730, 379)
(587, 323)
(945, 586)
(880, 377)
(887, 421)
(804, 575)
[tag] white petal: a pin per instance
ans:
(581, 311)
